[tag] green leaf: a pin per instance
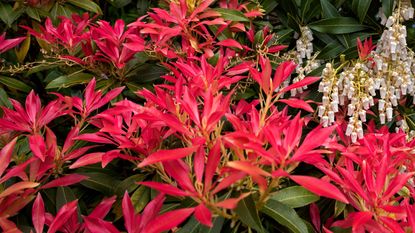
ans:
(295, 196)
(339, 208)
(100, 182)
(63, 196)
(328, 10)
(331, 51)
(86, 5)
(21, 52)
(140, 198)
(234, 15)
(4, 99)
(268, 5)
(120, 3)
(387, 6)
(33, 13)
(361, 7)
(285, 216)
(8, 15)
(65, 81)
(146, 73)
(14, 84)
(63, 11)
(305, 7)
(248, 213)
(129, 184)
(337, 25)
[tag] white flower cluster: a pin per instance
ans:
(387, 76)
(404, 12)
(305, 59)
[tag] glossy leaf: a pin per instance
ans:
(338, 25)
(320, 187)
(285, 216)
(38, 214)
(233, 15)
(248, 213)
(295, 196)
(86, 5)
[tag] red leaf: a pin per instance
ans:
(62, 216)
(313, 139)
(315, 216)
(65, 181)
(297, 103)
(92, 137)
(87, 160)
(282, 72)
(6, 154)
(212, 164)
(38, 214)
(320, 187)
(103, 208)
(96, 225)
(230, 43)
(229, 180)
(168, 220)
(306, 81)
(152, 209)
(18, 187)
(276, 48)
(128, 212)
(38, 147)
(203, 215)
(247, 167)
(199, 164)
(164, 188)
(231, 203)
(165, 155)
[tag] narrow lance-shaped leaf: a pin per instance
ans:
(65, 181)
(17, 187)
(128, 212)
(320, 187)
(38, 214)
(165, 155)
(168, 220)
(6, 154)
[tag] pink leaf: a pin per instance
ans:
(96, 225)
(87, 160)
(230, 43)
(247, 167)
(17, 187)
(212, 164)
(62, 216)
(313, 139)
(320, 187)
(128, 212)
(103, 208)
(164, 188)
(297, 103)
(165, 155)
(65, 181)
(6, 154)
(38, 147)
(38, 214)
(306, 81)
(168, 220)
(203, 215)
(231, 203)
(92, 137)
